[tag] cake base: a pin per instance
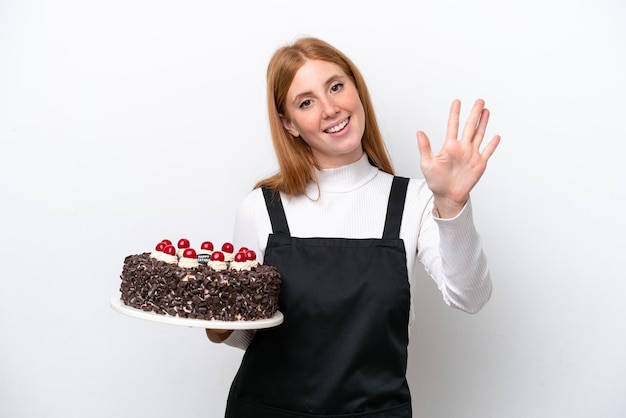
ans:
(120, 307)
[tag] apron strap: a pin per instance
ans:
(393, 221)
(276, 211)
(395, 207)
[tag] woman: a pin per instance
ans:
(346, 234)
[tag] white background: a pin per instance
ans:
(126, 122)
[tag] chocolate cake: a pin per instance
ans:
(191, 289)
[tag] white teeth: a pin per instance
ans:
(338, 127)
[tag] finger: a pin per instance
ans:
(491, 147)
(473, 120)
(482, 127)
(453, 121)
(423, 144)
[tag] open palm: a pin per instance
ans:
(454, 171)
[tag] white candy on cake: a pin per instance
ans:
(217, 261)
(227, 249)
(245, 259)
(205, 251)
(165, 251)
(189, 259)
(183, 244)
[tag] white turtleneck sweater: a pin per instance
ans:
(352, 203)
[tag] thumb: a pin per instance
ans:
(423, 143)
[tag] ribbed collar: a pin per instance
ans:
(343, 179)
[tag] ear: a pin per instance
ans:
(289, 126)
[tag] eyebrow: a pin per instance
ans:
(308, 93)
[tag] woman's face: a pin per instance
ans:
(323, 108)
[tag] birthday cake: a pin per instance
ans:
(206, 284)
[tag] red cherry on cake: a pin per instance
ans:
(160, 246)
(169, 250)
(207, 245)
(217, 256)
(250, 255)
(189, 253)
(183, 243)
(167, 242)
(240, 257)
(228, 247)
(243, 250)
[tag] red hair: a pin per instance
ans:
(296, 163)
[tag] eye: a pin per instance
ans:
(305, 103)
(336, 87)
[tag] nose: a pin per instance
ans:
(329, 109)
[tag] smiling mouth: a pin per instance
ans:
(338, 127)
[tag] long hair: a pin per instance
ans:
(295, 159)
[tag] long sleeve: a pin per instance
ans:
(457, 264)
(240, 338)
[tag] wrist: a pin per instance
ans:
(447, 208)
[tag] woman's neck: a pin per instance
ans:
(342, 179)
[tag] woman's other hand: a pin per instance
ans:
(218, 335)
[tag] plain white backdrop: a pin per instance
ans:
(126, 122)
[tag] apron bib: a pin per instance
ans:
(342, 348)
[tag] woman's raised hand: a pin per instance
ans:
(454, 172)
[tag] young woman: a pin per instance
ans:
(346, 234)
